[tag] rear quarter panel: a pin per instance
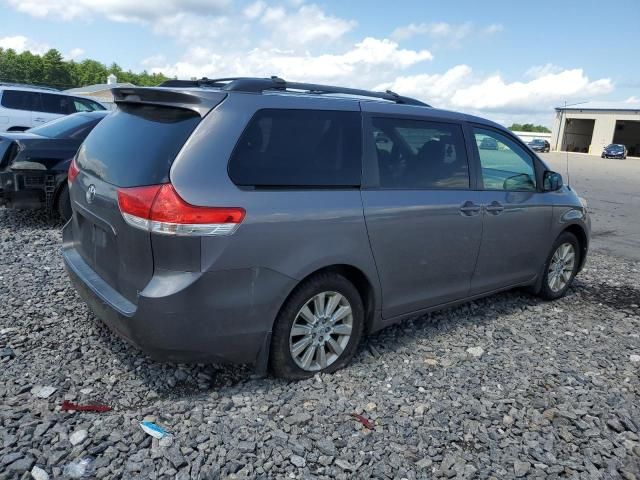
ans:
(292, 232)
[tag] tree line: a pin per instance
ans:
(528, 127)
(51, 69)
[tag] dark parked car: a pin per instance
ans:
(260, 221)
(539, 145)
(34, 164)
(488, 143)
(615, 150)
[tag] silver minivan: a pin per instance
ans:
(254, 220)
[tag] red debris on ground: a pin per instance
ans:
(368, 424)
(69, 406)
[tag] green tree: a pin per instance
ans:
(51, 69)
(528, 127)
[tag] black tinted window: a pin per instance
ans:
(416, 154)
(299, 148)
(20, 100)
(136, 144)
(59, 104)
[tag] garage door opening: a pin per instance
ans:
(577, 135)
(627, 133)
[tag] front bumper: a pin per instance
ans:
(224, 316)
(27, 189)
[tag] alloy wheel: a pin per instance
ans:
(321, 331)
(561, 267)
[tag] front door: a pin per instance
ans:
(423, 219)
(516, 215)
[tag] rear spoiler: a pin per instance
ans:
(200, 101)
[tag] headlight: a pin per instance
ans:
(584, 203)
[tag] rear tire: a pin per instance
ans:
(63, 204)
(318, 328)
(561, 267)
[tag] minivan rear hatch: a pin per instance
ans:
(133, 146)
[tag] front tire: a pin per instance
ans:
(561, 267)
(318, 328)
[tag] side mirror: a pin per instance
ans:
(552, 181)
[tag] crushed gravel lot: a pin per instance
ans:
(503, 387)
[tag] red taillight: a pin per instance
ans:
(159, 208)
(73, 171)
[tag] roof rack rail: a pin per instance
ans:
(259, 85)
(27, 85)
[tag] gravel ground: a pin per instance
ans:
(503, 387)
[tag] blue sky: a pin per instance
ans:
(509, 61)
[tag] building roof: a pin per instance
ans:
(89, 89)
(619, 106)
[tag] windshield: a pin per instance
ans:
(62, 127)
(537, 141)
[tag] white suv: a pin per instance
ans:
(23, 107)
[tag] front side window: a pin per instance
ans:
(416, 154)
(84, 105)
(58, 104)
(505, 164)
(299, 148)
(20, 100)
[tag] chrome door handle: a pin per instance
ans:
(495, 208)
(469, 208)
(38, 119)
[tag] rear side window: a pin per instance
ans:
(299, 148)
(417, 154)
(19, 100)
(136, 144)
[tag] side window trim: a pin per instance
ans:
(534, 161)
(370, 174)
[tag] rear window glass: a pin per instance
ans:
(136, 144)
(299, 148)
(65, 127)
(20, 100)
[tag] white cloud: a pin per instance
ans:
(74, 54)
(459, 88)
(364, 64)
(306, 25)
(493, 28)
(438, 30)
(255, 9)
(117, 10)
(20, 44)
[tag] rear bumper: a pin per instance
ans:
(222, 316)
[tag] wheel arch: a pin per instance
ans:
(360, 281)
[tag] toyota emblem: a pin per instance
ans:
(91, 193)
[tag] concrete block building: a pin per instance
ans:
(590, 127)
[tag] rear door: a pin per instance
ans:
(423, 217)
(50, 107)
(133, 146)
(517, 215)
(18, 106)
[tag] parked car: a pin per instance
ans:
(539, 145)
(23, 106)
(262, 221)
(615, 150)
(34, 164)
(488, 143)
